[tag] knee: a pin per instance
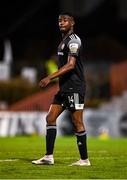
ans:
(50, 120)
(79, 126)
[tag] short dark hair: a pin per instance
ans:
(66, 14)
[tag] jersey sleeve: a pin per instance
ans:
(74, 47)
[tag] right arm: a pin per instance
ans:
(63, 70)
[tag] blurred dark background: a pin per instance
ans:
(29, 37)
(33, 30)
(31, 27)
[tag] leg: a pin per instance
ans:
(54, 112)
(77, 117)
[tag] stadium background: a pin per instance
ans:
(29, 37)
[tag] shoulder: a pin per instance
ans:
(73, 38)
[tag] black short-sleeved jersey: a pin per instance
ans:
(72, 81)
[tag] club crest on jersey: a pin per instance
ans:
(62, 46)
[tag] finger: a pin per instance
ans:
(41, 84)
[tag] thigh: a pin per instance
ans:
(77, 117)
(54, 111)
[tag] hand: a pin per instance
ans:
(44, 82)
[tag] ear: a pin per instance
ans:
(73, 23)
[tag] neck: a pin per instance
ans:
(64, 35)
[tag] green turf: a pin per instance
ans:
(108, 158)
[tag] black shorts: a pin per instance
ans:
(70, 101)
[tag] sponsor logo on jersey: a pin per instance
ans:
(60, 53)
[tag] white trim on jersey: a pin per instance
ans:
(74, 39)
(76, 102)
(72, 36)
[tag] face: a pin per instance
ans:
(66, 23)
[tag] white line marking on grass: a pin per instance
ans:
(102, 158)
(8, 160)
(101, 151)
(72, 158)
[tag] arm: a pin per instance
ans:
(66, 68)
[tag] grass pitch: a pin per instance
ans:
(108, 159)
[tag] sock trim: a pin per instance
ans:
(51, 127)
(81, 134)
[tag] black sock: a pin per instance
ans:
(82, 144)
(50, 139)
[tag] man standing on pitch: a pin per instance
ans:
(71, 94)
